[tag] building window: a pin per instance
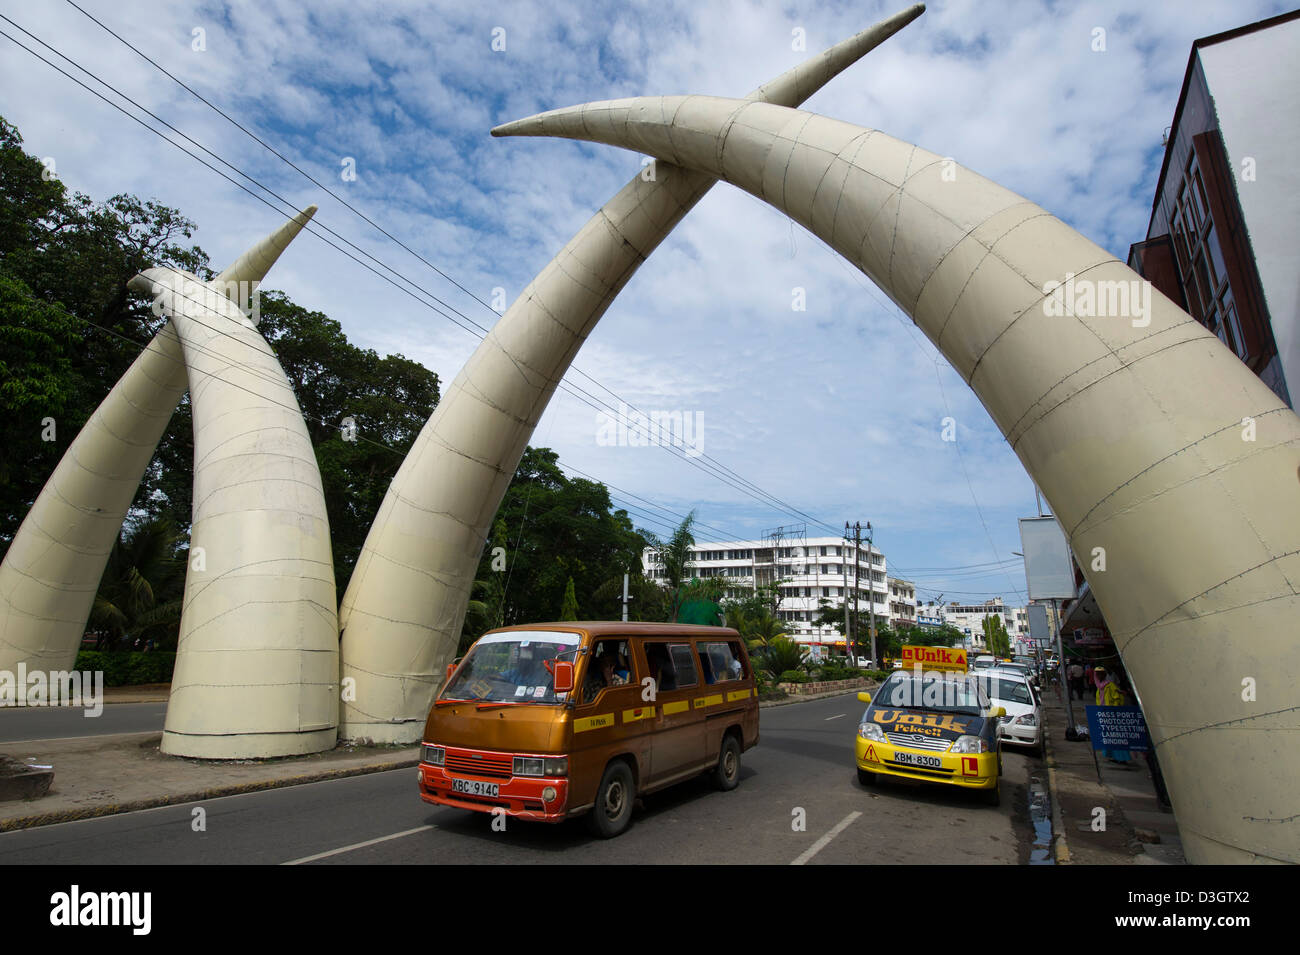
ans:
(1201, 266)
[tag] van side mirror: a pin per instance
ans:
(451, 668)
(864, 697)
(998, 712)
(563, 676)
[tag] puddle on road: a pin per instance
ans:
(1040, 814)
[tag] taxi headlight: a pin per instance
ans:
(433, 755)
(872, 732)
(1028, 719)
(970, 744)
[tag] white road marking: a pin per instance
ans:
(825, 840)
(832, 718)
(357, 845)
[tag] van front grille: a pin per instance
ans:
(472, 763)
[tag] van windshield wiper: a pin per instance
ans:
(446, 700)
(489, 704)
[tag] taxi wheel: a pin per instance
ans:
(726, 776)
(993, 797)
(613, 809)
(866, 778)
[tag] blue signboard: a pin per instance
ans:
(1118, 727)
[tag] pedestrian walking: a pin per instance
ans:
(1075, 674)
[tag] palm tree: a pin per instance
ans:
(675, 555)
(139, 595)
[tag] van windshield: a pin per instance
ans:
(511, 668)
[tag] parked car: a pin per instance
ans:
(1027, 672)
(1023, 723)
(931, 727)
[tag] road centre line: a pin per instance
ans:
(357, 845)
(835, 717)
(825, 840)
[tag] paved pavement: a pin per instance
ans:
(1130, 828)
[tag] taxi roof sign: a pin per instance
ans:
(935, 658)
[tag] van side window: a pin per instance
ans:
(609, 665)
(683, 662)
(722, 661)
(737, 667)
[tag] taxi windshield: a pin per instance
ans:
(511, 668)
(944, 692)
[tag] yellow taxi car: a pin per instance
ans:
(934, 727)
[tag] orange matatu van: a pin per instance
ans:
(552, 720)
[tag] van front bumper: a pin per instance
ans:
(518, 796)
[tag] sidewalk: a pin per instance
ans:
(104, 775)
(1137, 830)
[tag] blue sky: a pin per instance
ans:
(836, 410)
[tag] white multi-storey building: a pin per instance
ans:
(806, 571)
(969, 619)
(902, 603)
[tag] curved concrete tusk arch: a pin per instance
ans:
(1130, 422)
(257, 660)
(53, 567)
(402, 613)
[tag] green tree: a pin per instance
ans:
(675, 556)
(996, 638)
(139, 597)
(68, 326)
(782, 654)
(569, 606)
(556, 528)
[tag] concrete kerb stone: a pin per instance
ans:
(406, 759)
(763, 704)
(1060, 845)
(175, 799)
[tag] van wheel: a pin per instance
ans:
(726, 776)
(613, 809)
(993, 797)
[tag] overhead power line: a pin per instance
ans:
(708, 464)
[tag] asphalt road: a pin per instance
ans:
(20, 724)
(802, 771)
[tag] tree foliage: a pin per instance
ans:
(69, 328)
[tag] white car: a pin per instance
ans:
(1023, 723)
(1025, 671)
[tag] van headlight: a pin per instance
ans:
(970, 744)
(541, 766)
(433, 755)
(872, 732)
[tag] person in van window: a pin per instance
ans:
(602, 674)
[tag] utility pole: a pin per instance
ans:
(871, 596)
(625, 598)
(857, 561)
(848, 649)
